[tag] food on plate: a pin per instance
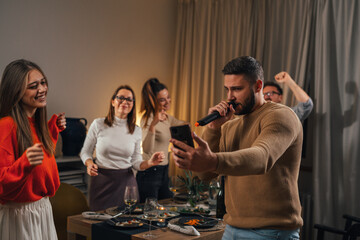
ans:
(193, 222)
(195, 210)
(174, 209)
(129, 223)
(167, 214)
(196, 222)
(137, 209)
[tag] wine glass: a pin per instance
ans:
(130, 197)
(214, 188)
(174, 184)
(150, 213)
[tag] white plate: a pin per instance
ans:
(161, 215)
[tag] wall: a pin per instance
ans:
(88, 48)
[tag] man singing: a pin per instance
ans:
(259, 154)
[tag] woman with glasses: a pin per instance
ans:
(155, 123)
(117, 141)
(28, 170)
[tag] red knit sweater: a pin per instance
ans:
(20, 182)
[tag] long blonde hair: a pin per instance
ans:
(12, 88)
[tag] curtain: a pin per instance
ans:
(212, 32)
(317, 43)
(337, 130)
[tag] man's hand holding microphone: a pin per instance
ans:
(202, 159)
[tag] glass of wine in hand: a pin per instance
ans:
(150, 213)
(130, 197)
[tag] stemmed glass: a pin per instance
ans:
(150, 213)
(130, 197)
(174, 184)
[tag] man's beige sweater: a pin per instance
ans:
(260, 153)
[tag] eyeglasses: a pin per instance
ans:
(269, 94)
(122, 99)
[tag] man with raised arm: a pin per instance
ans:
(273, 92)
(259, 154)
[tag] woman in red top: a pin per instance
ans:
(28, 171)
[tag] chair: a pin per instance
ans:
(351, 231)
(67, 201)
(350, 219)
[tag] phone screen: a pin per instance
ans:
(182, 133)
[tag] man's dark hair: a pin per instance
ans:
(273, 84)
(246, 65)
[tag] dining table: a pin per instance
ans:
(79, 227)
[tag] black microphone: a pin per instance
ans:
(212, 116)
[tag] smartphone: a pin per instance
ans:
(182, 133)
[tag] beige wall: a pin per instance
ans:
(88, 48)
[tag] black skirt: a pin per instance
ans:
(107, 189)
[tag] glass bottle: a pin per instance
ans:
(220, 200)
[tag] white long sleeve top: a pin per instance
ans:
(115, 147)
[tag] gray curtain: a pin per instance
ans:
(317, 42)
(212, 32)
(337, 128)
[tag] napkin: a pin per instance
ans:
(95, 215)
(190, 230)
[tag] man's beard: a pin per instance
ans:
(248, 104)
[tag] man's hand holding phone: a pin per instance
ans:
(182, 133)
(200, 159)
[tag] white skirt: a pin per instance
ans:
(25, 221)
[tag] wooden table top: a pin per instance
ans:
(78, 225)
(169, 234)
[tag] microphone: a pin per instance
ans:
(212, 116)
